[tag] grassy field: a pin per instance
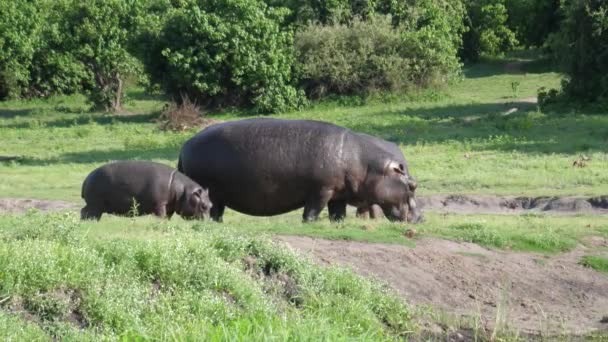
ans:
(185, 280)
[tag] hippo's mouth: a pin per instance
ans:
(408, 212)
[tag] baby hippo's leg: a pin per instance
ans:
(90, 213)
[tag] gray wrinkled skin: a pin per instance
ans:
(156, 188)
(266, 167)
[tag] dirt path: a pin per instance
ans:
(20, 205)
(490, 204)
(466, 204)
(533, 293)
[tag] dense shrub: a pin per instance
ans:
(582, 48)
(20, 25)
(67, 46)
(371, 55)
(225, 52)
(488, 33)
(96, 34)
(533, 21)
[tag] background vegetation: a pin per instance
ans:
(267, 55)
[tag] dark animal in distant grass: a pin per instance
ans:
(267, 167)
(140, 188)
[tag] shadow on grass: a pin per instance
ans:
(493, 126)
(100, 119)
(12, 113)
(502, 67)
(104, 156)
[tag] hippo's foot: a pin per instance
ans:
(217, 212)
(87, 213)
(337, 210)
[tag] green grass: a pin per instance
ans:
(596, 262)
(190, 285)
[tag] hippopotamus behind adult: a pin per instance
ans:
(157, 189)
(267, 167)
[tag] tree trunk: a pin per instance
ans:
(117, 103)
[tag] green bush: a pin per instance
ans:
(96, 34)
(488, 33)
(581, 46)
(20, 25)
(226, 53)
(533, 21)
(373, 55)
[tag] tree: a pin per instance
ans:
(226, 52)
(581, 46)
(20, 25)
(97, 35)
(488, 33)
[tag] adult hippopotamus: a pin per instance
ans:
(266, 167)
(157, 189)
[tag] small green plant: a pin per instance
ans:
(598, 263)
(515, 88)
(134, 210)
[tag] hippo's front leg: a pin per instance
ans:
(337, 210)
(90, 213)
(315, 204)
(161, 210)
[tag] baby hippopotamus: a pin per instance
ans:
(156, 189)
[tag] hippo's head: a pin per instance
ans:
(194, 204)
(395, 193)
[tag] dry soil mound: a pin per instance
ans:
(533, 293)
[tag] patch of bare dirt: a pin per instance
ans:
(19, 205)
(533, 293)
(471, 204)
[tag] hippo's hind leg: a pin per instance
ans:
(375, 212)
(90, 213)
(337, 210)
(217, 211)
(160, 210)
(315, 204)
(363, 212)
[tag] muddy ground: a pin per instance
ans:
(18, 205)
(531, 293)
(465, 204)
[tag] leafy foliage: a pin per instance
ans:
(533, 21)
(67, 46)
(224, 53)
(383, 53)
(488, 33)
(95, 34)
(582, 48)
(20, 26)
